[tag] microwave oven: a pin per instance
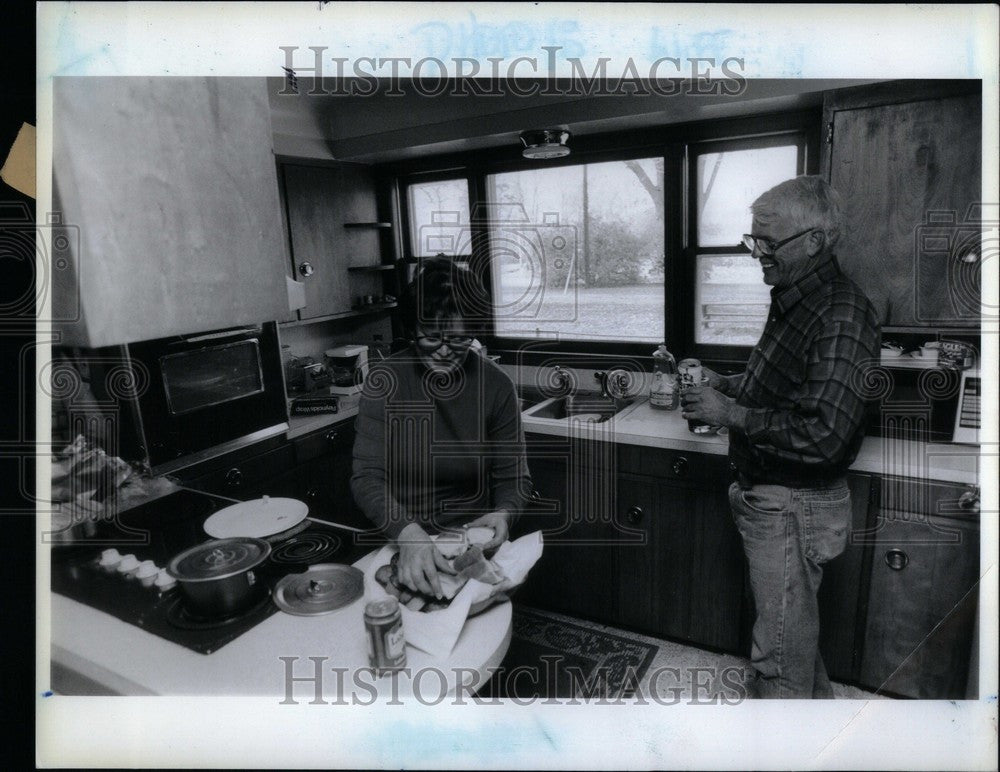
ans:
(927, 404)
(207, 394)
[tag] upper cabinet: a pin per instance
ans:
(907, 160)
(333, 227)
(171, 186)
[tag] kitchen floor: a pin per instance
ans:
(693, 664)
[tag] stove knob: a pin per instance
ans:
(110, 559)
(146, 572)
(164, 581)
(128, 565)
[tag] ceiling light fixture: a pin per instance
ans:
(543, 144)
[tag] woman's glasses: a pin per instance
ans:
(430, 342)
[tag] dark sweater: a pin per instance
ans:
(437, 450)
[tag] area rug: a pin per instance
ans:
(550, 657)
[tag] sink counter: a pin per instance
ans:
(640, 424)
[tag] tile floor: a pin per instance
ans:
(697, 666)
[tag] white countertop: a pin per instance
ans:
(125, 659)
(641, 424)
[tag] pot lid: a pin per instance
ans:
(257, 518)
(218, 559)
(320, 589)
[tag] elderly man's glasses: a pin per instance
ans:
(766, 246)
(433, 341)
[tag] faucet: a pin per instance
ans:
(616, 380)
(562, 380)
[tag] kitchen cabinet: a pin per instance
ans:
(923, 593)
(649, 543)
(575, 574)
(169, 214)
(843, 592)
(332, 225)
(686, 581)
(906, 159)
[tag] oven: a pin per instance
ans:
(207, 394)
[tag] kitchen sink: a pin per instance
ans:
(559, 408)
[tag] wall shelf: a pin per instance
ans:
(376, 308)
(380, 225)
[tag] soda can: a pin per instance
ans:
(690, 371)
(384, 628)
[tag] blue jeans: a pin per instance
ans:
(788, 534)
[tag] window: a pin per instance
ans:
(438, 213)
(577, 251)
(730, 298)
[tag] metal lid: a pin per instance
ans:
(320, 589)
(384, 607)
(218, 559)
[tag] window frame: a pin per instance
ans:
(403, 186)
(686, 301)
(674, 142)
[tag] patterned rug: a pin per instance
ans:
(550, 657)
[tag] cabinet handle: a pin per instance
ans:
(680, 466)
(536, 496)
(312, 493)
(969, 500)
(634, 515)
(306, 269)
(896, 559)
(331, 436)
(234, 477)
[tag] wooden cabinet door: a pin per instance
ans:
(321, 200)
(922, 606)
(317, 238)
(844, 588)
(907, 161)
(575, 573)
(685, 580)
(168, 195)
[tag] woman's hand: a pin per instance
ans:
(420, 561)
(499, 521)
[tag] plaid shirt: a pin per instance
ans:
(805, 417)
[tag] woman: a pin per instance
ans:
(439, 438)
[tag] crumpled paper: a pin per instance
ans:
(436, 632)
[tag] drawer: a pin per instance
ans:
(673, 465)
(332, 439)
(233, 479)
(929, 498)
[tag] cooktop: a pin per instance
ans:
(159, 530)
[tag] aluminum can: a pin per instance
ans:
(384, 629)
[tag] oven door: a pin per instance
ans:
(208, 393)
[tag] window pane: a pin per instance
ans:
(439, 218)
(577, 251)
(729, 182)
(731, 300)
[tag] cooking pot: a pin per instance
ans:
(220, 578)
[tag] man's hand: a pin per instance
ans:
(716, 381)
(703, 403)
(420, 560)
(499, 521)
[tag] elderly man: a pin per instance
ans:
(796, 424)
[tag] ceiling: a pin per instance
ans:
(385, 127)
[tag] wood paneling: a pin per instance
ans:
(171, 183)
(896, 165)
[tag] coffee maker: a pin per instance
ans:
(348, 366)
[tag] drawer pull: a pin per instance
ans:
(634, 515)
(679, 467)
(896, 559)
(969, 500)
(535, 496)
(306, 269)
(234, 477)
(332, 436)
(312, 493)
